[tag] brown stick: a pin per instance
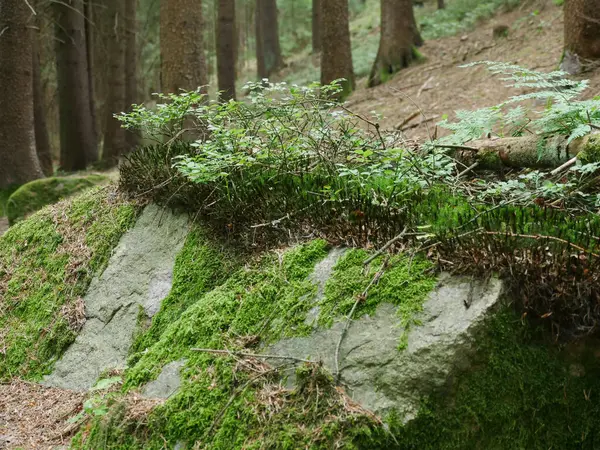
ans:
(249, 355)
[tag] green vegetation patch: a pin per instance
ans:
(268, 298)
(46, 264)
(525, 394)
(200, 267)
(36, 194)
(405, 283)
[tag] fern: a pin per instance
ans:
(563, 114)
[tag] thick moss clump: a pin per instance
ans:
(46, 264)
(590, 151)
(526, 393)
(36, 194)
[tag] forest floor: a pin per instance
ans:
(439, 86)
(431, 89)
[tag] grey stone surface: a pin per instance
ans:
(138, 275)
(381, 377)
(167, 383)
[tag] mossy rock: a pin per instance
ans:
(36, 194)
(46, 264)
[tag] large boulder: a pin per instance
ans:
(387, 368)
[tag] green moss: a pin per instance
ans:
(523, 395)
(200, 267)
(36, 194)
(267, 298)
(405, 283)
(591, 150)
(46, 264)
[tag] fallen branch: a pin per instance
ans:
(538, 237)
(468, 169)
(566, 165)
(457, 147)
(249, 355)
(408, 119)
(385, 247)
(361, 297)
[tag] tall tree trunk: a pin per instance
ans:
(582, 35)
(131, 66)
(18, 159)
(114, 134)
(441, 4)
(268, 50)
(397, 40)
(92, 155)
(77, 138)
(183, 64)
(42, 141)
(226, 49)
(316, 26)
(336, 50)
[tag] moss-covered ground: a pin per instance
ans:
(220, 403)
(523, 391)
(46, 264)
(36, 194)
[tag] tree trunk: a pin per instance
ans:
(18, 159)
(226, 49)
(92, 155)
(268, 50)
(417, 39)
(397, 40)
(42, 141)
(336, 50)
(131, 66)
(183, 64)
(441, 4)
(582, 35)
(77, 138)
(114, 134)
(316, 26)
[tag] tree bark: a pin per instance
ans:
(582, 35)
(42, 141)
(131, 66)
(397, 40)
(226, 49)
(77, 139)
(114, 134)
(18, 159)
(268, 50)
(183, 64)
(417, 39)
(92, 155)
(336, 50)
(316, 26)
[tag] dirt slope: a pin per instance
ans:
(439, 86)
